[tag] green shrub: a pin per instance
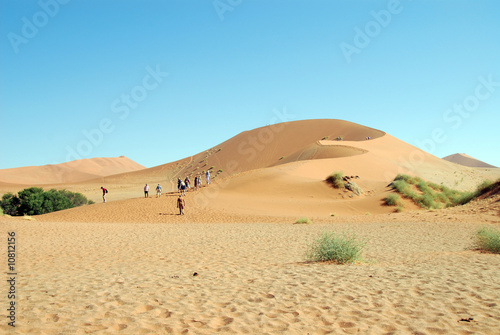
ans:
(34, 201)
(465, 197)
(304, 220)
(10, 204)
(408, 179)
(339, 248)
(485, 186)
(436, 196)
(400, 185)
(435, 186)
(427, 201)
(54, 200)
(335, 179)
(393, 200)
(487, 239)
(31, 201)
(399, 209)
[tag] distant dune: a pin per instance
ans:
(70, 172)
(467, 160)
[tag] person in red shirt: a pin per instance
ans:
(104, 191)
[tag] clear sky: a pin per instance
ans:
(158, 81)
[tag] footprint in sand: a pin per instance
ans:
(51, 317)
(163, 313)
(143, 309)
(346, 324)
(220, 321)
(117, 327)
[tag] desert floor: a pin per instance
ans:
(419, 276)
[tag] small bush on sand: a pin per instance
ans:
(398, 209)
(335, 179)
(304, 220)
(393, 200)
(487, 239)
(401, 186)
(339, 248)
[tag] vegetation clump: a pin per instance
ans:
(304, 220)
(393, 200)
(432, 196)
(335, 179)
(338, 248)
(487, 239)
(35, 201)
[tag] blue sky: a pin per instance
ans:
(157, 81)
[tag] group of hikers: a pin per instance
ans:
(182, 187)
(158, 191)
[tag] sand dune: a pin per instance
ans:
(467, 160)
(235, 262)
(296, 157)
(70, 172)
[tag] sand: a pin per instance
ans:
(235, 263)
(138, 278)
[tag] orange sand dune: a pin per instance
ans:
(467, 160)
(234, 263)
(295, 156)
(70, 172)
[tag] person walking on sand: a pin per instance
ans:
(208, 177)
(183, 188)
(104, 191)
(181, 204)
(187, 182)
(158, 191)
(146, 191)
(196, 182)
(179, 182)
